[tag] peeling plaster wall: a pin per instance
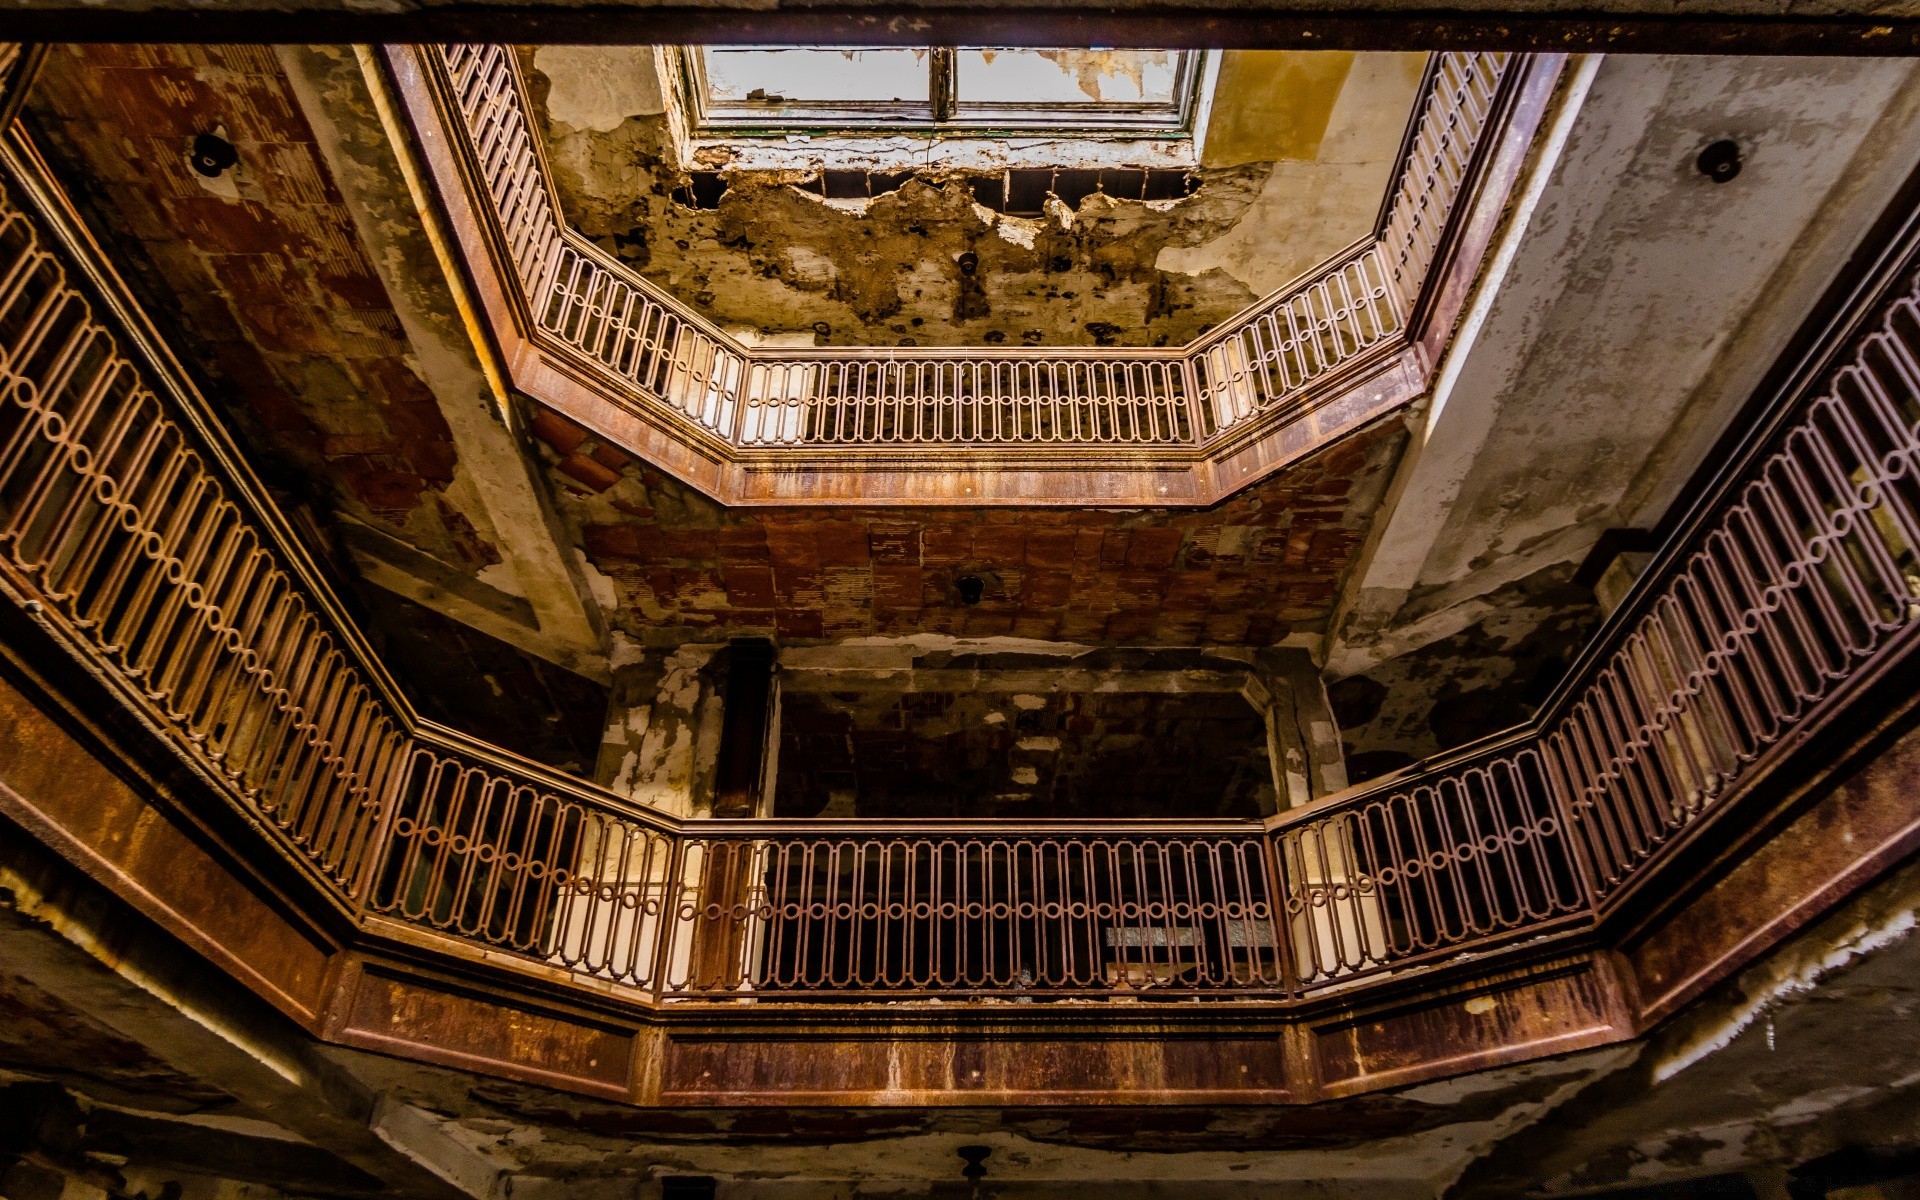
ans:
(1281, 196)
(261, 274)
(1399, 1146)
(1488, 677)
(493, 481)
(300, 289)
(1668, 266)
(1639, 305)
(1811, 1052)
(1322, 187)
(662, 741)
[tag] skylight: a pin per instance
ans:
(970, 92)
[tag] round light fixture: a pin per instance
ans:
(1720, 161)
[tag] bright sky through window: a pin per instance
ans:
(774, 77)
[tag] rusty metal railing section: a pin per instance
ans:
(643, 351)
(117, 529)
(134, 534)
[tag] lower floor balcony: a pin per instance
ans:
(206, 762)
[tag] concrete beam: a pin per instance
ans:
(341, 93)
(1638, 26)
(1447, 437)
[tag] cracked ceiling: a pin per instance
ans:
(1295, 163)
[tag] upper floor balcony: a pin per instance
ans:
(1358, 336)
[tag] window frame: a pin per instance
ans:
(944, 115)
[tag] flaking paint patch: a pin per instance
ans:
(662, 740)
(1301, 196)
(602, 588)
(598, 88)
(1274, 104)
(1793, 972)
(882, 271)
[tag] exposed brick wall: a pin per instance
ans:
(265, 286)
(986, 754)
(1246, 572)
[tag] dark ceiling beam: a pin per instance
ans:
(1632, 26)
(100, 965)
(22, 67)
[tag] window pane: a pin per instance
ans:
(1030, 77)
(814, 76)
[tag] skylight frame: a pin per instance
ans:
(944, 115)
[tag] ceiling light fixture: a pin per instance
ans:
(212, 155)
(1720, 161)
(976, 1157)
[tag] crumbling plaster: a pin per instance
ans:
(1666, 262)
(1306, 195)
(263, 280)
(342, 94)
(300, 288)
(1631, 307)
(1400, 1146)
(775, 259)
(1810, 1051)
(664, 715)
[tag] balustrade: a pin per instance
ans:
(651, 349)
(132, 533)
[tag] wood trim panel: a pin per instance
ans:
(1859, 828)
(1722, 28)
(433, 1021)
(1564, 1007)
(556, 1033)
(969, 1069)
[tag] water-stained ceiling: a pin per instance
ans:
(1295, 161)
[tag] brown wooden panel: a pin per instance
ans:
(1573, 1008)
(62, 794)
(973, 1069)
(1858, 829)
(433, 1022)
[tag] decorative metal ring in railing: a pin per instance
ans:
(589, 336)
(133, 533)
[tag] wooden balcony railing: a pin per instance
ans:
(587, 334)
(134, 535)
